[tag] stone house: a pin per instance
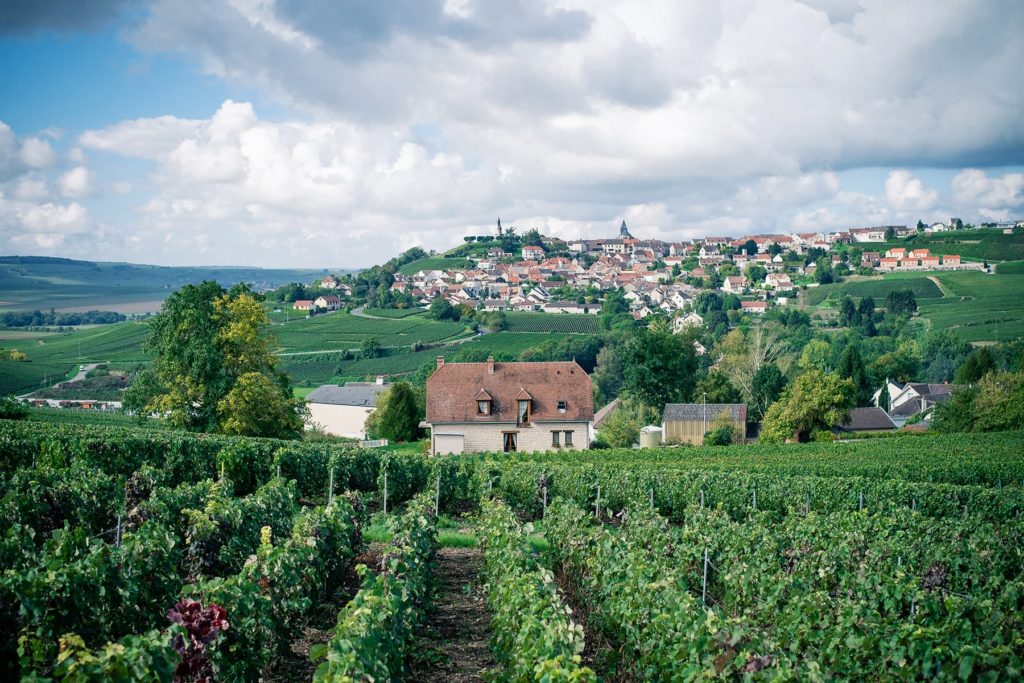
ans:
(491, 407)
(342, 410)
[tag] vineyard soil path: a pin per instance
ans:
(455, 644)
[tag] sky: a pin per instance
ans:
(332, 133)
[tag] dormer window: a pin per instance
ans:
(483, 403)
(562, 406)
(524, 404)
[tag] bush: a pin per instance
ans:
(12, 409)
(722, 436)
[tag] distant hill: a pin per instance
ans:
(42, 282)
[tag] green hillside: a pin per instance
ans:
(434, 263)
(41, 283)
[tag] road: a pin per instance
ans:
(83, 370)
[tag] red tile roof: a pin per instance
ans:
(452, 391)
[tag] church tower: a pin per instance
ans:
(624, 232)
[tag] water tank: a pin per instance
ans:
(650, 437)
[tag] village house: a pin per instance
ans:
(867, 421)
(481, 407)
(329, 282)
(343, 410)
(533, 253)
(689, 320)
(734, 284)
(329, 302)
(303, 305)
(754, 306)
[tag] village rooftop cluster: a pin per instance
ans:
(569, 277)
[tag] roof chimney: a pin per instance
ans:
(380, 379)
(490, 365)
(440, 361)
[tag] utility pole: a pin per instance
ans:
(704, 400)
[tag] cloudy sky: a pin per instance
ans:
(333, 133)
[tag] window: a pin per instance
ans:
(509, 441)
(524, 412)
(568, 438)
(483, 407)
(554, 439)
(562, 405)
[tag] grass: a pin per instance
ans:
(69, 416)
(980, 307)
(340, 331)
(435, 263)
(397, 313)
(877, 288)
(1010, 268)
(52, 358)
(566, 323)
(323, 368)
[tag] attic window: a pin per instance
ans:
(562, 406)
(523, 415)
(483, 407)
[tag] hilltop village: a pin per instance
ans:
(538, 273)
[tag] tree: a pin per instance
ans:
(901, 302)
(440, 309)
(920, 225)
(743, 354)
(944, 351)
(979, 363)
(766, 388)
(622, 428)
(205, 340)
(901, 365)
(890, 233)
(717, 388)
(607, 377)
(750, 247)
(660, 367)
(397, 415)
(256, 406)
(851, 366)
(370, 348)
(996, 403)
(817, 355)
(757, 273)
(816, 401)
(823, 270)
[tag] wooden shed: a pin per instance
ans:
(688, 422)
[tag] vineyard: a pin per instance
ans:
(568, 323)
(132, 554)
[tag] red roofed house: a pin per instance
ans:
(951, 260)
(754, 306)
(303, 304)
(481, 407)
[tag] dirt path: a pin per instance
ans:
(455, 645)
(938, 283)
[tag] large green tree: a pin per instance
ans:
(851, 366)
(816, 401)
(658, 367)
(766, 387)
(204, 341)
(397, 414)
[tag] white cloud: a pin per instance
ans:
(973, 187)
(905, 193)
(37, 153)
(77, 182)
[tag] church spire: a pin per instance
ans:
(624, 231)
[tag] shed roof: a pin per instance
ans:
(698, 411)
(867, 419)
(361, 394)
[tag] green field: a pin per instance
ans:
(877, 288)
(52, 357)
(435, 263)
(1010, 268)
(323, 368)
(979, 306)
(396, 313)
(987, 244)
(340, 330)
(567, 323)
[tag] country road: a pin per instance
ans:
(83, 370)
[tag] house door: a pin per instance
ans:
(510, 442)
